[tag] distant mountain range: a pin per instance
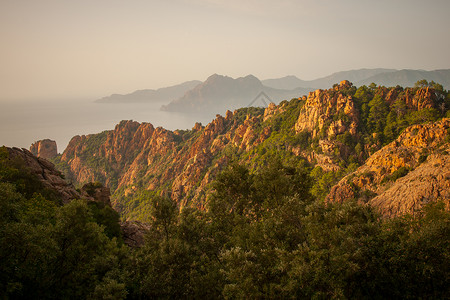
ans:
(408, 78)
(148, 95)
(219, 93)
(291, 82)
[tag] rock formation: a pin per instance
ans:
(44, 148)
(95, 191)
(321, 106)
(322, 129)
(133, 233)
(46, 172)
(404, 175)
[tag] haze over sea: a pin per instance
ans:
(24, 122)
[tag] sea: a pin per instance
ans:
(24, 122)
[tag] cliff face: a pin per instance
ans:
(404, 175)
(44, 148)
(330, 129)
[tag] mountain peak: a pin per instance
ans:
(215, 77)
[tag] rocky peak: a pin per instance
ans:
(272, 110)
(44, 148)
(423, 98)
(228, 115)
(344, 84)
(197, 127)
(250, 81)
(216, 126)
(322, 106)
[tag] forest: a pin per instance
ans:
(263, 235)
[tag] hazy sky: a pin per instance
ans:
(93, 48)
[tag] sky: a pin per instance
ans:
(65, 49)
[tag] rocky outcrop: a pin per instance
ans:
(133, 233)
(44, 148)
(429, 182)
(404, 175)
(272, 110)
(321, 107)
(46, 172)
(95, 191)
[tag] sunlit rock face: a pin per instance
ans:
(405, 174)
(44, 148)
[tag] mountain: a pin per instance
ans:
(332, 132)
(219, 93)
(292, 82)
(285, 83)
(408, 78)
(386, 77)
(352, 75)
(163, 94)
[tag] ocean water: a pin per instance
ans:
(24, 122)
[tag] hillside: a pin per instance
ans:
(329, 132)
(404, 175)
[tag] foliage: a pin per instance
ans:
(14, 170)
(400, 172)
(264, 235)
(53, 251)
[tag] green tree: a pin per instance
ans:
(378, 112)
(164, 212)
(421, 83)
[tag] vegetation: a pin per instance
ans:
(53, 251)
(263, 235)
